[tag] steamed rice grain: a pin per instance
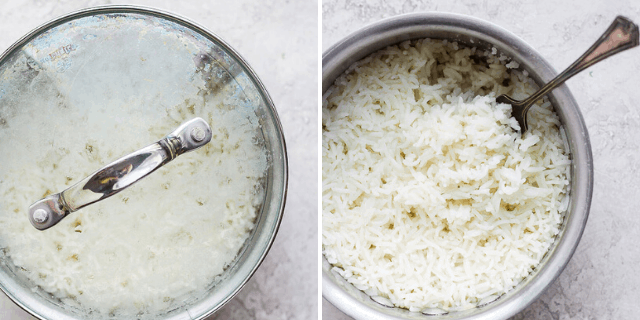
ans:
(431, 197)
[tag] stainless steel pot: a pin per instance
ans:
(62, 51)
(471, 32)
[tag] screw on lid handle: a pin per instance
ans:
(119, 174)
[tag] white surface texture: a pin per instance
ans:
(601, 280)
(279, 40)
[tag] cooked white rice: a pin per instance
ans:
(151, 247)
(431, 198)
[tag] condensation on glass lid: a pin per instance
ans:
(89, 90)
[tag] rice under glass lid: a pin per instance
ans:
(101, 74)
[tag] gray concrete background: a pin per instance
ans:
(601, 281)
(279, 39)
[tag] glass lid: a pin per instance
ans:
(86, 89)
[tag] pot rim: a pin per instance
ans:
(393, 30)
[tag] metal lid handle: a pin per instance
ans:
(119, 174)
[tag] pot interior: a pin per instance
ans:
(471, 32)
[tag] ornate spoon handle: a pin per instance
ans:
(621, 35)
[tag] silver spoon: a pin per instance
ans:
(621, 35)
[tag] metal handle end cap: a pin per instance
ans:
(46, 212)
